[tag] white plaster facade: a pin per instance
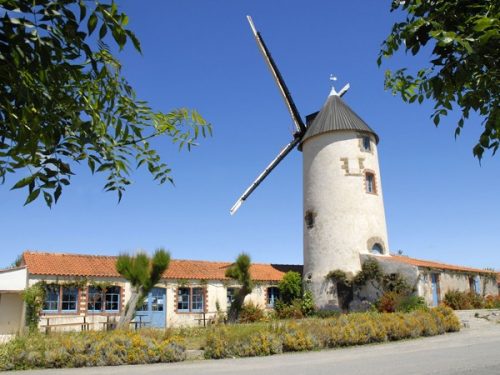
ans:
(347, 220)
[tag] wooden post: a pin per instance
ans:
(47, 327)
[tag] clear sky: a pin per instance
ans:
(440, 203)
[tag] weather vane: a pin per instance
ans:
(333, 91)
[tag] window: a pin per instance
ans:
(157, 302)
(59, 298)
(377, 249)
(183, 299)
(273, 294)
(69, 299)
(231, 293)
(51, 302)
(107, 299)
(366, 144)
(112, 299)
(370, 183)
(94, 298)
(190, 299)
(197, 299)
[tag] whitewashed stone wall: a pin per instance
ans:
(346, 220)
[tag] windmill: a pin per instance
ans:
(300, 127)
(343, 207)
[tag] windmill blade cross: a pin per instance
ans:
(299, 124)
(284, 152)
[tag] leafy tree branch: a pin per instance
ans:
(63, 99)
(464, 38)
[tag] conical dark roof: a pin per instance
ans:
(336, 115)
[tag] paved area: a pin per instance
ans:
(474, 350)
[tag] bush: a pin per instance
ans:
(290, 287)
(410, 303)
(388, 302)
(492, 302)
(251, 313)
(78, 349)
(292, 311)
(313, 333)
(464, 300)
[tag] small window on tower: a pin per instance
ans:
(370, 183)
(366, 144)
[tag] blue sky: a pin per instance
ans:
(440, 203)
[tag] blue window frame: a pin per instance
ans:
(273, 294)
(51, 302)
(197, 299)
(69, 299)
(183, 295)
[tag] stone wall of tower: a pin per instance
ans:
(341, 219)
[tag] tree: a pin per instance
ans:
(464, 38)
(290, 287)
(240, 271)
(63, 99)
(143, 274)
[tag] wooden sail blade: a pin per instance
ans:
(284, 152)
(299, 124)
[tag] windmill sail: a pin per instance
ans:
(299, 124)
(284, 152)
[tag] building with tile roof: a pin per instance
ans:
(86, 291)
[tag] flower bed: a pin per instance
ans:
(90, 349)
(238, 340)
(310, 334)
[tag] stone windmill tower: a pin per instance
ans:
(343, 205)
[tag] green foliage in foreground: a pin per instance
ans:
(309, 334)
(461, 38)
(90, 349)
(235, 340)
(64, 100)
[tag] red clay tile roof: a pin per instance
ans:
(104, 266)
(430, 264)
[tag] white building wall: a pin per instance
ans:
(11, 313)
(13, 279)
(347, 219)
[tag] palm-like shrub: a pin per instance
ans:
(143, 273)
(240, 271)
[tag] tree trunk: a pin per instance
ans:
(234, 310)
(128, 313)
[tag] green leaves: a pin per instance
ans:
(463, 71)
(63, 100)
